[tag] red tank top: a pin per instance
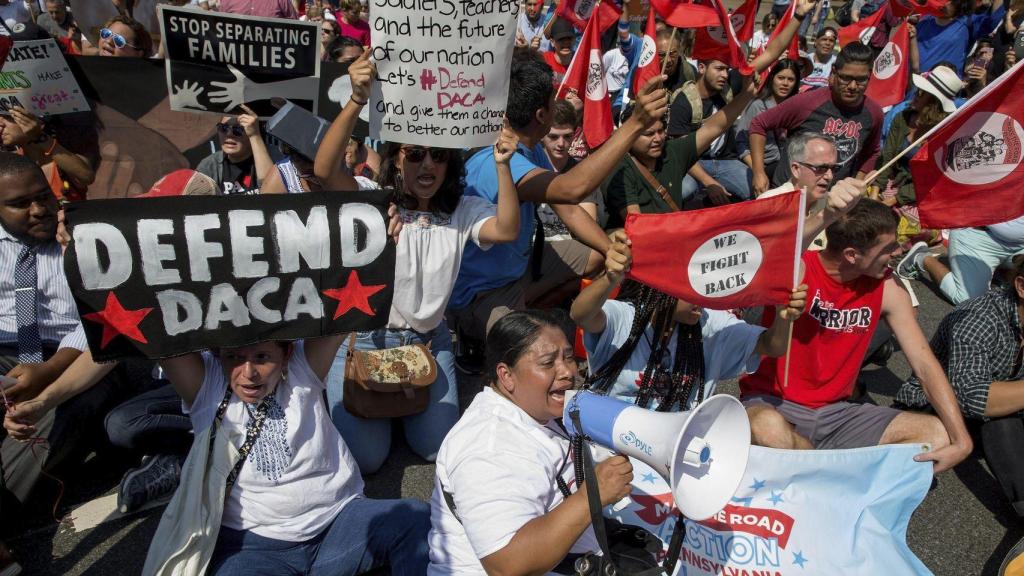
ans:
(829, 340)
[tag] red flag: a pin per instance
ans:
(685, 14)
(578, 12)
(969, 171)
(861, 30)
(726, 257)
(743, 20)
(649, 64)
(891, 71)
(903, 8)
(794, 44)
(719, 42)
(6, 43)
(586, 76)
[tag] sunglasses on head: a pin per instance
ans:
(417, 154)
(119, 41)
(234, 129)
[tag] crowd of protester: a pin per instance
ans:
(487, 237)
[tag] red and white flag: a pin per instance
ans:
(578, 12)
(903, 8)
(719, 42)
(685, 14)
(649, 65)
(586, 77)
(891, 70)
(970, 170)
(743, 20)
(725, 257)
(793, 53)
(863, 29)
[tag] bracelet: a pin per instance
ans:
(353, 99)
(799, 17)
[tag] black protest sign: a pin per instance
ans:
(166, 276)
(216, 62)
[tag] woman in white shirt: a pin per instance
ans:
(296, 505)
(438, 221)
(504, 499)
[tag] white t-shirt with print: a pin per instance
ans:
(728, 348)
(499, 467)
(427, 261)
(300, 473)
(820, 72)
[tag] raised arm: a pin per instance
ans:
(250, 122)
(587, 308)
(780, 43)
(504, 227)
(186, 373)
(328, 165)
(722, 120)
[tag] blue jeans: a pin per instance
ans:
(973, 256)
(370, 439)
(366, 534)
(151, 423)
(733, 175)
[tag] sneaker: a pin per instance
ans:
(8, 566)
(908, 268)
(156, 478)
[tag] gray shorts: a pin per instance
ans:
(836, 426)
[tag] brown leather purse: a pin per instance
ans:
(388, 383)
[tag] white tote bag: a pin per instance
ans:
(185, 539)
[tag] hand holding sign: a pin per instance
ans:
(651, 102)
(619, 257)
(506, 145)
(250, 122)
(361, 72)
(843, 196)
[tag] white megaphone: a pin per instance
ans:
(702, 453)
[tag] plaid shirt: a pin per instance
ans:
(978, 342)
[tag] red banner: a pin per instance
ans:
(891, 70)
(969, 171)
(763, 522)
(719, 42)
(743, 20)
(586, 77)
(649, 65)
(685, 14)
(903, 8)
(720, 258)
(861, 30)
(578, 12)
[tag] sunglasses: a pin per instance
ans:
(847, 79)
(820, 169)
(119, 41)
(416, 154)
(233, 129)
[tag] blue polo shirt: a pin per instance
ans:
(503, 263)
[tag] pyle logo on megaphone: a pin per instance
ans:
(702, 453)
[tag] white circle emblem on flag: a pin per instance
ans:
(725, 264)
(985, 149)
(866, 34)
(596, 88)
(889, 61)
(647, 51)
(738, 20)
(583, 9)
(717, 34)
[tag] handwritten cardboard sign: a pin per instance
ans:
(37, 78)
(442, 70)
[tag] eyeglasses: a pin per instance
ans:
(820, 169)
(417, 154)
(847, 79)
(119, 41)
(234, 129)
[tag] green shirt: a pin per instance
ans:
(628, 186)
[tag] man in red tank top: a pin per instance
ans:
(849, 292)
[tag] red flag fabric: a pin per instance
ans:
(862, 30)
(578, 12)
(649, 65)
(719, 42)
(725, 257)
(903, 8)
(891, 70)
(794, 44)
(685, 14)
(586, 76)
(6, 43)
(969, 171)
(743, 20)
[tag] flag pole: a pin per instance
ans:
(887, 165)
(796, 277)
(671, 42)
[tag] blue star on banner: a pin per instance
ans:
(649, 477)
(757, 485)
(775, 498)
(798, 558)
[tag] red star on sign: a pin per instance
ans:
(353, 295)
(116, 320)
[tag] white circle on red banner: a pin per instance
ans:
(596, 88)
(985, 149)
(647, 51)
(583, 9)
(888, 62)
(866, 34)
(738, 20)
(725, 264)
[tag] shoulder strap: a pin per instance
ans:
(653, 183)
(689, 89)
(252, 434)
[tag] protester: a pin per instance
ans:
(243, 160)
(503, 472)
(556, 144)
(978, 345)
(69, 174)
(850, 289)
(439, 221)
(642, 345)
(124, 37)
(344, 50)
(842, 112)
(533, 25)
(61, 25)
(328, 32)
(351, 24)
(762, 36)
(563, 39)
(822, 59)
(781, 84)
(948, 37)
(263, 8)
(673, 52)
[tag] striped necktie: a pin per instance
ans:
(30, 347)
